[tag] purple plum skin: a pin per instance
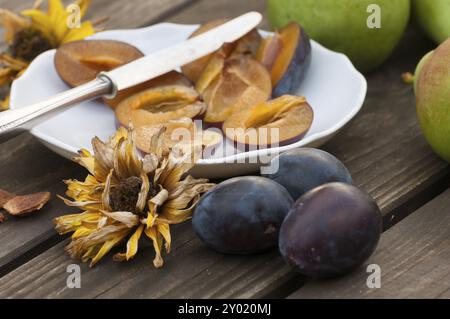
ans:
(330, 231)
(242, 215)
(292, 79)
(301, 170)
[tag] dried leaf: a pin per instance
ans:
(26, 204)
(5, 197)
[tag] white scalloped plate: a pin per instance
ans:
(332, 86)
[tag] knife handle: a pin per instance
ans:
(12, 121)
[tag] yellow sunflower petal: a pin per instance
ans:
(107, 246)
(153, 204)
(126, 218)
(55, 10)
(84, 6)
(85, 30)
(176, 216)
(164, 230)
(187, 195)
(90, 253)
(106, 191)
(155, 236)
(143, 194)
(69, 223)
(4, 104)
(126, 160)
(110, 233)
(121, 133)
(86, 205)
(89, 190)
(86, 160)
(133, 242)
(104, 159)
(81, 232)
(6, 76)
(58, 17)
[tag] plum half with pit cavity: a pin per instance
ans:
(247, 44)
(171, 78)
(278, 122)
(242, 82)
(79, 62)
(177, 131)
(160, 105)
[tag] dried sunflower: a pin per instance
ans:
(35, 31)
(125, 196)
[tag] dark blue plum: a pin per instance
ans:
(304, 169)
(242, 215)
(330, 231)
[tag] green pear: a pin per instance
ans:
(419, 68)
(433, 98)
(342, 25)
(434, 18)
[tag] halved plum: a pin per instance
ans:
(176, 131)
(287, 56)
(279, 122)
(243, 82)
(171, 78)
(194, 69)
(79, 62)
(247, 44)
(214, 67)
(160, 105)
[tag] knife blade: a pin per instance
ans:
(168, 59)
(141, 70)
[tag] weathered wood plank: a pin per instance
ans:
(382, 147)
(413, 255)
(27, 166)
(136, 13)
(205, 10)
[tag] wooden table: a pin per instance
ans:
(383, 148)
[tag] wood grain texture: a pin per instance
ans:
(382, 147)
(413, 255)
(27, 166)
(136, 13)
(206, 10)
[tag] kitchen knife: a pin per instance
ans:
(141, 70)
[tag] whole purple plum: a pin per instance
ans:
(301, 170)
(330, 231)
(242, 215)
